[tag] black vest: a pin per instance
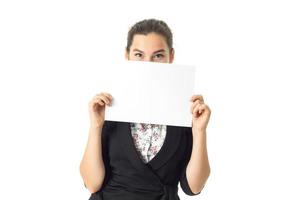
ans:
(127, 177)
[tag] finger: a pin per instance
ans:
(100, 102)
(195, 109)
(202, 108)
(102, 98)
(96, 101)
(109, 97)
(103, 94)
(199, 109)
(107, 94)
(194, 97)
(105, 99)
(196, 103)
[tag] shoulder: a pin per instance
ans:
(188, 136)
(108, 127)
(109, 124)
(188, 130)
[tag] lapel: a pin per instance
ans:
(170, 145)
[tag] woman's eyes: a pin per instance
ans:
(156, 56)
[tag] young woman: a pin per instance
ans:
(138, 161)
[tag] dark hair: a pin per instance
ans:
(148, 26)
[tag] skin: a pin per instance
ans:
(152, 48)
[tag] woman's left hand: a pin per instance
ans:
(201, 113)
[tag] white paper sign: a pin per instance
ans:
(149, 92)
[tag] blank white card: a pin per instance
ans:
(148, 92)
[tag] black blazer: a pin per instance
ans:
(127, 177)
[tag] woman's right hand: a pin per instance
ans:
(97, 108)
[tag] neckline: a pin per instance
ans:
(166, 151)
(157, 154)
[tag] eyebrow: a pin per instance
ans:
(138, 50)
(158, 51)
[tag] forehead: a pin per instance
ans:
(149, 43)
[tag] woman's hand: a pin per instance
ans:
(201, 113)
(97, 108)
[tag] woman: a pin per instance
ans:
(138, 161)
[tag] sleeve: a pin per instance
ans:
(188, 151)
(104, 139)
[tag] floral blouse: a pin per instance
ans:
(148, 139)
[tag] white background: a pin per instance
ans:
(248, 50)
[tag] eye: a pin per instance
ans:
(138, 55)
(159, 56)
